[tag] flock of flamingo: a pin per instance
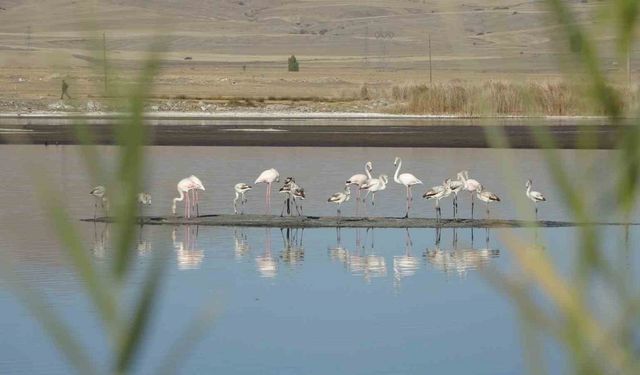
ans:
(188, 192)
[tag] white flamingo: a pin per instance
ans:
(437, 193)
(100, 194)
(268, 177)
(240, 188)
(360, 179)
(287, 189)
(535, 196)
(375, 185)
(298, 194)
(470, 185)
(406, 179)
(184, 186)
(340, 198)
(487, 197)
(197, 185)
(456, 186)
(144, 199)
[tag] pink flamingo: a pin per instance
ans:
(359, 180)
(184, 186)
(197, 185)
(268, 177)
(406, 179)
(470, 185)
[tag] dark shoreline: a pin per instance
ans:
(271, 221)
(319, 131)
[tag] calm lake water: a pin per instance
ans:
(318, 301)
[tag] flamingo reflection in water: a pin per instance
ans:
(370, 265)
(240, 244)
(266, 263)
(338, 253)
(144, 245)
(405, 265)
(99, 248)
(188, 255)
(293, 251)
(460, 261)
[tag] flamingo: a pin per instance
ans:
(268, 177)
(197, 186)
(535, 196)
(359, 180)
(100, 193)
(184, 186)
(487, 197)
(375, 185)
(286, 189)
(406, 179)
(298, 193)
(144, 199)
(456, 186)
(340, 198)
(240, 188)
(437, 193)
(294, 192)
(470, 185)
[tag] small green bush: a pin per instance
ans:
(293, 64)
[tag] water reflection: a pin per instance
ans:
(460, 261)
(405, 265)
(240, 243)
(293, 252)
(266, 263)
(366, 263)
(187, 253)
(100, 239)
(144, 245)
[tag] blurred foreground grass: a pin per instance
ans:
(595, 335)
(551, 307)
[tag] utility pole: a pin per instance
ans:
(104, 60)
(629, 65)
(366, 46)
(430, 75)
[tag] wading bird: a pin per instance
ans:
(268, 177)
(359, 180)
(438, 192)
(184, 186)
(340, 198)
(535, 196)
(470, 185)
(289, 183)
(456, 186)
(406, 179)
(197, 185)
(240, 189)
(144, 199)
(375, 185)
(487, 197)
(100, 194)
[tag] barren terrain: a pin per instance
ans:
(222, 55)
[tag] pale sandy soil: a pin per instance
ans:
(219, 55)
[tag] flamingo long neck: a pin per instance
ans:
(395, 176)
(528, 189)
(177, 199)
(367, 171)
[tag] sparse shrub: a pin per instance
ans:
(293, 64)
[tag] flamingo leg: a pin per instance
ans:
(406, 215)
(197, 203)
(536, 212)
(95, 209)
(472, 200)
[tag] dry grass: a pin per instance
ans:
(503, 98)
